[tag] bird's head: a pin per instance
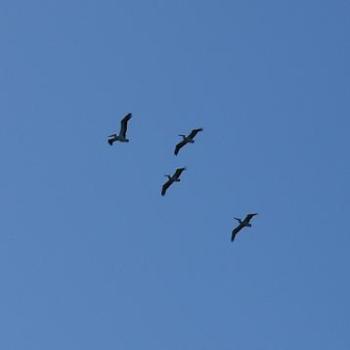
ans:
(239, 220)
(183, 136)
(168, 176)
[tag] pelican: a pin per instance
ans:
(172, 179)
(187, 139)
(122, 133)
(242, 224)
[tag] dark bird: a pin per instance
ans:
(187, 139)
(172, 179)
(242, 224)
(122, 133)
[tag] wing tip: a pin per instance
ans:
(127, 117)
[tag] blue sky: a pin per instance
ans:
(92, 257)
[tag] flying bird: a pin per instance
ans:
(242, 224)
(122, 133)
(187, 139)
(172, 179)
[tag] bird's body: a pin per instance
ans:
(186, 139)
(242, 223)
(121, 137)
(171, 179)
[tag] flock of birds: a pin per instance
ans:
(121, 137)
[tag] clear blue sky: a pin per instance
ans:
(92, 257)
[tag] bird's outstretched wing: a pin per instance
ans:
(178, 172)
(235, 231)
(124, 125)
(194, 132)
(249, 217)
(165, 187)
(179, 146)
